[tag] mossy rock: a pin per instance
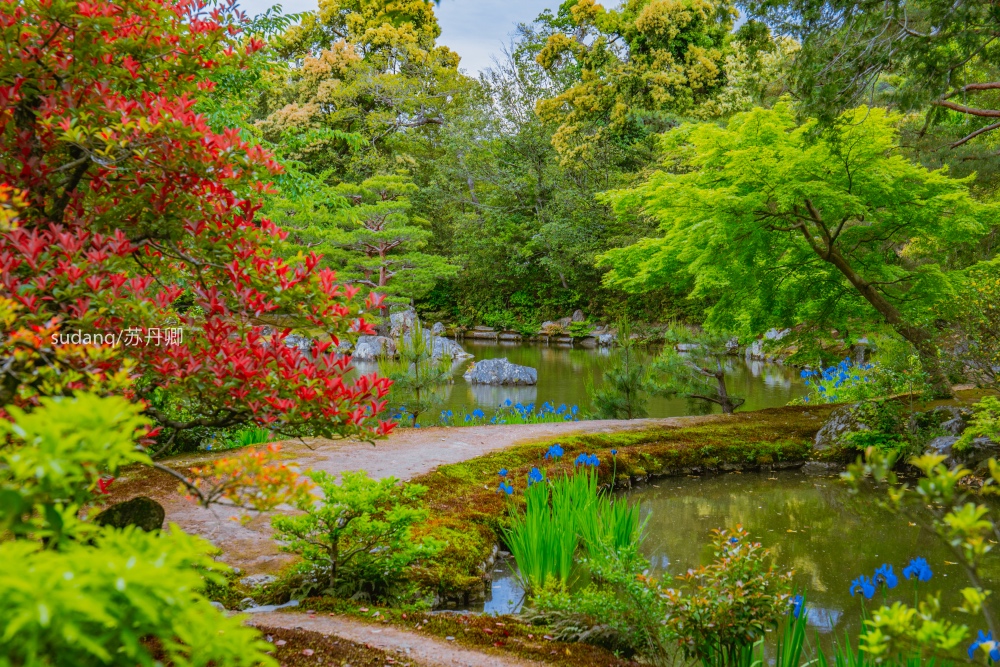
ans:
(140, 511)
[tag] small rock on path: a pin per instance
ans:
(423, 649)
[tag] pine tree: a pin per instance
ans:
(699, 372)
(626, 382)
(416, 374)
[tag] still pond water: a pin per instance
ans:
(812, 524)
(563, 374)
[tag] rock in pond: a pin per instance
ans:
(140, 511)
(402, 322)
(975, 453)
(500, 371)
(369, 348)
(842, 421)
(438, 329)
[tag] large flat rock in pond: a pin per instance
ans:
(500, 371)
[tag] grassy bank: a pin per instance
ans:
(468, 511)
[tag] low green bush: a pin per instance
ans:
(82, 595)
(357, 540)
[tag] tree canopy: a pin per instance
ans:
(776, 224)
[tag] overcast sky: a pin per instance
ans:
(475, 29)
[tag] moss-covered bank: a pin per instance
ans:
(468, 511)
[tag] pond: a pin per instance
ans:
(812, 524)
(563, 374)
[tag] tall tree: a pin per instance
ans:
(637, 67)
(140, 225)
(780, 226)
(937, 55)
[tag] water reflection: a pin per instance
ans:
(563, 374)
(812, 524)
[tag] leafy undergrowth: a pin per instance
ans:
(468, 511)
(500, 635)
(298, 648)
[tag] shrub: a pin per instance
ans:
(358, 537)
(985, 422)
(417, 376)
(82, 595)
(730, 603)
(115, 601)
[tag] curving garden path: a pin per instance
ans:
(410, 646)
(407, 453)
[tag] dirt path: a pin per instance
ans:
(420, 649)
(406, 454)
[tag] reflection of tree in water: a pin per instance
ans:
(827, 535)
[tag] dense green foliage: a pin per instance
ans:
(357, 539)
(777, 226)
(86, 595)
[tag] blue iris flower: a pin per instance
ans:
(865, 585)
(614, 452)
(535, 476)
(574, 409)
(985, 638)
(478, 414)
(918, 568)
(503, 472)
(468, 417)
(561, 409)
(555, 451)
(797, 602)
(885, 575)
(734, 540)
(508, 402)
(587, 460)
(506, 488)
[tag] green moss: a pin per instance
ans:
(468, 513)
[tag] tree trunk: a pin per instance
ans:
(920, 338)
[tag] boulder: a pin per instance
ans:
(949, 418)
(686, 347)
(141, 511)
(447, 347)
(977, 452)
(438, 329)
(500, 371)
(302, 342)
(564, 321)
(577, 316)
(402, 322)
(606, 339)
(756, 349)
(510, 336)
(370, 348)
(842, 421)
(589, 342)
